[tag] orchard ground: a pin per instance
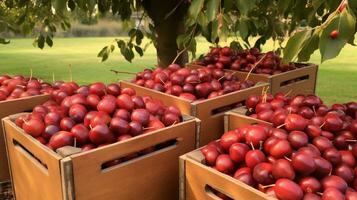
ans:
(337, 78)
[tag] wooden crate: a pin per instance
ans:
(197, 179)
(211, 121)
(278, 82)
(42, 174)
(8, 108)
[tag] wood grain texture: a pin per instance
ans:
(30, 178)
(197, 178)
(154, 176)
(8, 108)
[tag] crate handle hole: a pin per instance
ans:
(29, 155)
(215, 193)
(226, 108)
(294, 80)
(133, 156)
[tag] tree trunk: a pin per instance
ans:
(167, 29)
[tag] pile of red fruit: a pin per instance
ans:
(226, 58)
(310, 155)
(19, 87)
(191, 84)
(96, 115)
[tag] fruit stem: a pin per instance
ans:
(75, 142)
(257, 63)
(280, 126)
(287, 158)
(351, 140)
(323, 124)
(267, 186)
(31, 74)
(122, 72)
(53, 77)
(313, 108)
(251, 144)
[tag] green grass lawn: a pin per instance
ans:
(337, 79)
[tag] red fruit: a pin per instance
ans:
(333, 123)
(210, 154)
(77, 112)
(34, 127)
(306, 112)
(310, 185)
(322, 143)
(243, 170)
(141, 116)
(100, 118)
(170, 119)
(332, 194)
(294, 122)
(348, 158)
(246, 178)
(283, 169)
(313, 130)
(154, 125)
(323, 167)
(128, 91)
(333, 156)
(66, 124)
(311, 196)
(61, 139)
(124, 137)
(106, 105)
(334, 34)
(123, 114)
(97, 88)
(135, 128)
(286, 189)
(93, 100)
(228, 139)
(278, 119)
(119, 126)
(50, 131)
(256, 135)
(344, 172)
(303, 163)
(41, 140)
(124, 101)
(252, 101)
(52, 118)
(237, 152)
(262, 173)
(266, 115)
(101, 134)
(113, 89)
(188, 96)
(80, 133)
(280, 149)
(298, 139)
(334, 182)
(224, 164)
(253, 157)
(263, 106)
(351, 196)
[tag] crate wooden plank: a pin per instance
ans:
(30, 178)
(197, 179)
(211, 123)
(12, 107)
(156, 169)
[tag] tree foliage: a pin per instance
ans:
(298, 27)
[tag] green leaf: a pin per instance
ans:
(59, 5)
(3, 26)
(121, 44)
(139, 50)
(102, 52)
(309, 48)
(139, 36)
(294, 44)
(214, 30)
(195, 8)
(347, 25)
(212, 9)
(202, 20)
(41, 41)
(283, 5)
(330, 48)
(243, 28)
(49, 41)
(244, 6)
